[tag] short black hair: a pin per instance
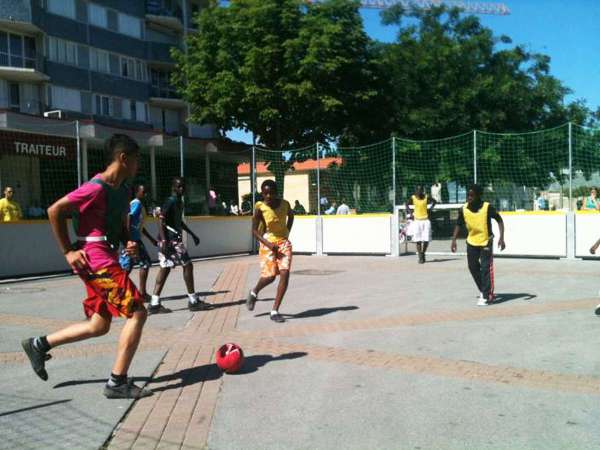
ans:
(477, 189)
(120, 143)
(269, 183)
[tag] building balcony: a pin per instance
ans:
(17, 26)
(167, 18)
(167, 102)
(22, 74)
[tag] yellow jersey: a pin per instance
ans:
(275, 220)
(9, 210)
(477, 225)
(420, 205)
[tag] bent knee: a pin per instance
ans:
(99, 329)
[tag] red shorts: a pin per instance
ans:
(110, 293)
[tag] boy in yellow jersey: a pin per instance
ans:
(477, 215)
(421, 225)
(277, 218)
(10, 210)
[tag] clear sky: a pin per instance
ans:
(566, 30)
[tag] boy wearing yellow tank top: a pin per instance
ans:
(420, 229)
(271, 226)
(477, 216)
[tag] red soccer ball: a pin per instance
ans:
(230, 358)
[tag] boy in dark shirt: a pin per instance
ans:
(172, 251)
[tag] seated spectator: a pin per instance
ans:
(298, 208)
(343, 209)
(332, 209)
(234, 209)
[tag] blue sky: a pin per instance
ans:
(567, 31)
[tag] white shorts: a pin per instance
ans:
(420, 230)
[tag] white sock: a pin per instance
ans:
(274, 312)
(253, 294)
(155, 301)
(193, 298)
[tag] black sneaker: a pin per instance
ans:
(158, 309)
(250, 301)
(198, 306)
(277, 318)
(126, 390)
(36, 358)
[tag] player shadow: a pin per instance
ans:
(193, 375)
(209, 372)
(317, 312)
(254, 362)
(440, 260)
(507, 297)
(202, 294)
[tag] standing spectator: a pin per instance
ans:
(298, 208)
(591, 202)
(343, 209)
(436, 192)
(10, 210)
(541, 202)
(212, 201)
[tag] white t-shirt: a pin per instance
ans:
(343, 209)
(436, 192)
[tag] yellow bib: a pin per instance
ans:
(420, 207)
(275, 220)
(477, 225)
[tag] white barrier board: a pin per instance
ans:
(304, 234)
(369, 233)
(587, 232)
(533, 234)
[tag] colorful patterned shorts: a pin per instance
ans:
(110, 293)
(142, 260)
(175, 255)
(271, 266)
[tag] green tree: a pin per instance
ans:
(292, 73)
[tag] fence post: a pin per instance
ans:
(319, 221)
(475, 156)
(77, 136)
(153, 173)
(570, 166)
(394, 172)
(253, 185)
(181, 169)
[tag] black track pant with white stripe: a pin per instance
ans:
(481, 266)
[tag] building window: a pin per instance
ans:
(129, 25)
(62, 51)
(65, 98)
(113, 20)
(65, 8)
(103, 105)
(99, 60)
(14, 98)
(97, 16)
(17, 50)
(133, 110)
